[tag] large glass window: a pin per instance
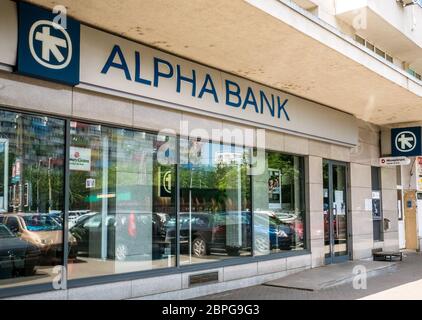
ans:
(279, 209)
(215, 207)
(31, 198)
(122, 199)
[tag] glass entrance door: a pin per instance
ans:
(335, 212)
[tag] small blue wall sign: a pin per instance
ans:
(47, 49)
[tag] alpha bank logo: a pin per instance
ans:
(55, 49)
(406, 141)
(47, 49)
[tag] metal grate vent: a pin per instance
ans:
(203, 278)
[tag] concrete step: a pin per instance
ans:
(332, 275)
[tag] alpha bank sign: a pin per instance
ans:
(199, 87)
(45, 48)
(82, 56)
(406, 141)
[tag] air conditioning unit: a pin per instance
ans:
(406, 3)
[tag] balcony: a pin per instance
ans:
(387, 25)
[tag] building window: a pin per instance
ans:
(378, 226)
(380, 53)
(414, 73)
(122, 199)
(370, 46)
(31, 198)
(373, 48)
(279, 209)
(215, 202)
(360, 40)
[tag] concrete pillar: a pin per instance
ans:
(314, 186)
(360, 218)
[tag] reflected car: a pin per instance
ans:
(207, 232)
(291, 219)
(88, 234)
(17, 257)
(57, 215)
(41, 230)
(272, 233)
(210, 232)
(77, 216)
(126, 236)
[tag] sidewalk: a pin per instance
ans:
(403, 280)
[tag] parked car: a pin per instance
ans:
(17, 256)
(41, 230)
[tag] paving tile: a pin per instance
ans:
(405, 272)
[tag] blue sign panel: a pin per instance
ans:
(406, 142)
(48, 48)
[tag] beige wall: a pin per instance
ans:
(362, 157)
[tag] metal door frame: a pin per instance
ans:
(332, 258)
(5, 206)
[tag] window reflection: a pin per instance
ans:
(31, 198)
(121, 198)
(279, 210)
(215, 216)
